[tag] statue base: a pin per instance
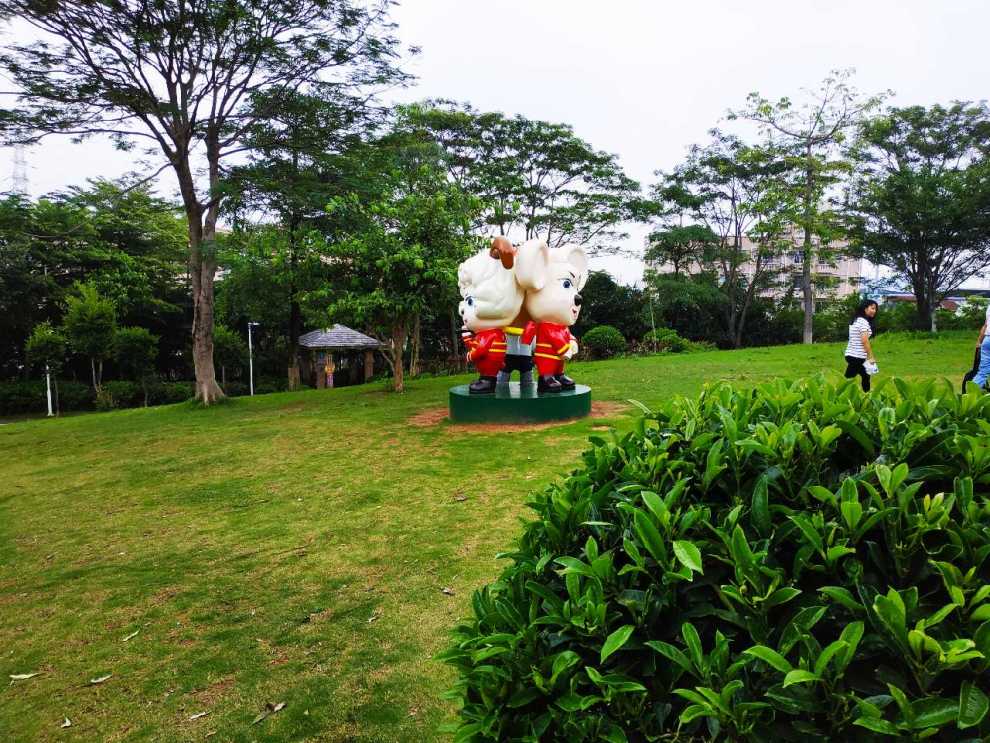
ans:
(510, 404)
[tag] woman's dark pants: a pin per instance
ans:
(854, 366)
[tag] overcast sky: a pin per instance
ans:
(644, 79)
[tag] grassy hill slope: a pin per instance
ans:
(311, 548)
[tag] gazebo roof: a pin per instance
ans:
(339, 336)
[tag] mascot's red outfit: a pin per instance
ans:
(552, 341)
(486, 350)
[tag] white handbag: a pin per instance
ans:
(871, 367)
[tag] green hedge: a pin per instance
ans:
(21, 398)
(603, 342)
(24, 398)
(799, 562)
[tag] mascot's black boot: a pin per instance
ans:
(548, 384)
(482, 386)
(566, 383)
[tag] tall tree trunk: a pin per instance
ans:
(202, 268)
(398, 347)
(414, 354)
(806, 263)
(92, 368)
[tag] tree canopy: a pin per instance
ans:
(920, 199)
(186, 81)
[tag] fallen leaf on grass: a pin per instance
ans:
(132, 635)
(67, 723)
(375, 616)
(270, 709)
(447, 591)
(23, 676)
(460, 498)
(198, 715)
(100, 679)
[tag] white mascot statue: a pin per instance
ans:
(552, 279)
(490, 300)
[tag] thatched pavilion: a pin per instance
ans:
(339, 348)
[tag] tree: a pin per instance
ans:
(183, 79)
(296, 168)
(534, 176)
(46, 348)
(681, 246)
(129, 244)
(399, 256)
(920, 198)
(136, 351)
(730, 191)
(812, 134)
(229, 349)
(90, 325)
(606, 302)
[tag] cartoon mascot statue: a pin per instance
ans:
(490, 300)
(552, 279)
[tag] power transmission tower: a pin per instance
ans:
(19, 179)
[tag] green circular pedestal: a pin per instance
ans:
(510, 404)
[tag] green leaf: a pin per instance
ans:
(802, 522)
(616, 640)
(562, 662)
(688, 555)
(695, 711)
(878, 725)
(770, 657)
(973, 705)
(781, 596)
(649, 536)
(799, 676)
(761, 507)
(672, 653)
(693, 641)
(934, 712)
(842, 596)
(822, 661)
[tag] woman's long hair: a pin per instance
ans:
(861, 312)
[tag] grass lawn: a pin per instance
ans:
(290, 548)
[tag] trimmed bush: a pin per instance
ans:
(168, 393)
(603, 342)
(666, 340)
(124, 394)
(799, 562)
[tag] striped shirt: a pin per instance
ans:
(855, 347)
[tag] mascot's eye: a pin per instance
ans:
(470, 301)
(567, 284)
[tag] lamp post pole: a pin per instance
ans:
(251, 357)
(48, 386)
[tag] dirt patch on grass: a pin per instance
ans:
(213, 693)
(437, 416)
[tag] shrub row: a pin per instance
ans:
(798, 562)
(605, 341)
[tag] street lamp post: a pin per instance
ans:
(251, 357)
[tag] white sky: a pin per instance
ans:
(644, 79)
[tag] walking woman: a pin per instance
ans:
(859, 352)
(983, 343)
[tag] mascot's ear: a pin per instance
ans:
(575, 255)
(532, 262)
